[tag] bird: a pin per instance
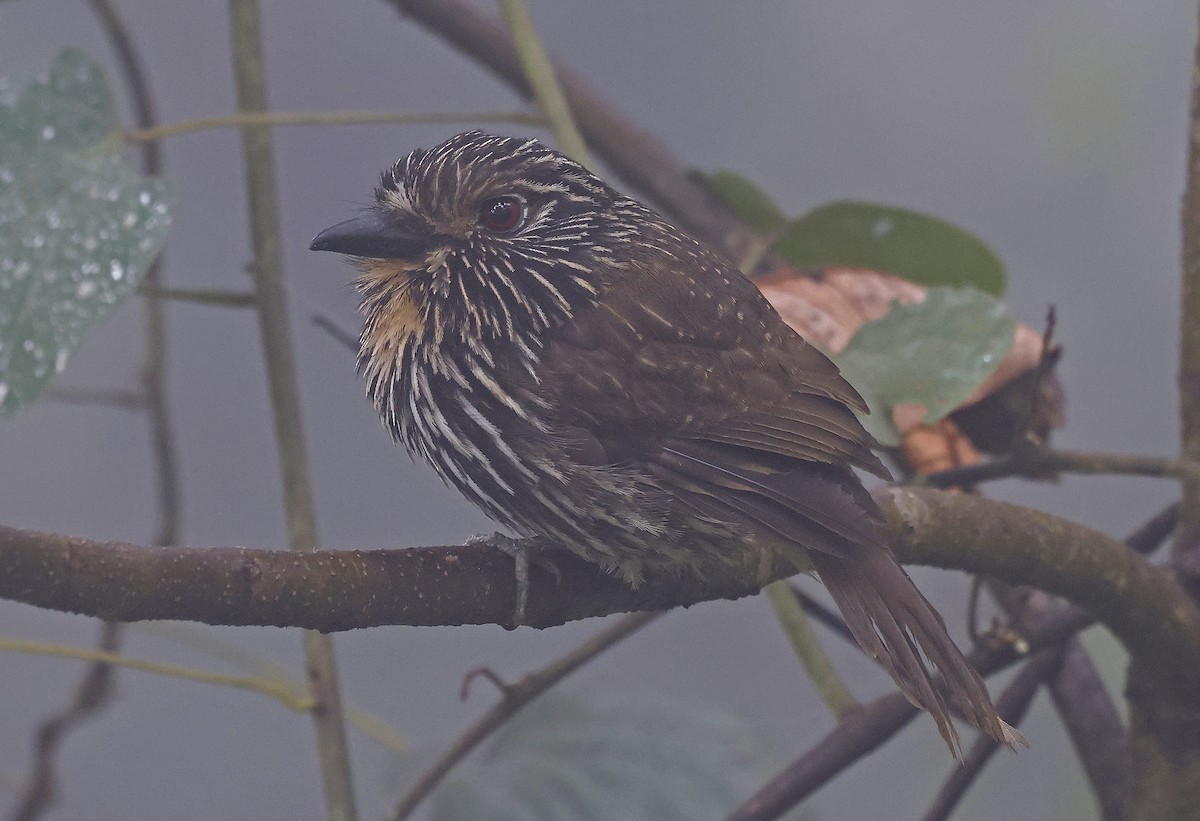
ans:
(592, 376)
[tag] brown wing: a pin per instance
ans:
(699, 380)
(670, 357)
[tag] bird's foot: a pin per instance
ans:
(523, 551)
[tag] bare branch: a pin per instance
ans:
(200, 296)
(90, 696)
(815, 610)
(539, 73)
(281, 688)
(820, 669)
(513, 698)
(856, 735)
(1100, 738)
(1012, 705)
(1143, 605)
(1034, 461)
(134, 74)
(865, 729)
(474, 584)
(1150, 536)
(1042, 627)
(96, 683)
(99, 397)
(1187, 543)
(634, 155)
(148, 135)
(327, 324)
(371, 585)
(325, 590)
(263, 201)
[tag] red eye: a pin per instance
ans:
(502, 214)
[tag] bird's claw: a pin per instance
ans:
(523, 551)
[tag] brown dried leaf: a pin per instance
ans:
(939, 446)
(827, 307)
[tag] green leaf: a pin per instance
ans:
(934, 353)
(897, 241)
(749, 203)
(78, 226)
(608, 757)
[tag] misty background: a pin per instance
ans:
(1055, 131)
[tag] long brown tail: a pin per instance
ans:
(821, 514)
(894, 624)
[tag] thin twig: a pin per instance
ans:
(97, 680)
(1163, 714)
(1083, 703)
(134, 74)
(91, 694)
(973, 610)
(340, 334)
(820, 669)
(1036, 461)
(286, 118)
(868, 727)
(824, 615)
(464, 689)
(632, 153)
(103, 397)
(262, 196)
(279, 689)
(1097, 732)
(1012, 705)
(1150, 536)
(1186, 550)
(212, 645)
(201, 296)
(546, 90)
(516, 696)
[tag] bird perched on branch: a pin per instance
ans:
(587, 373)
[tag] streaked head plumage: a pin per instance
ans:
(447, 185)
(483, 236)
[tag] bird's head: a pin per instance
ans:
(480, 238)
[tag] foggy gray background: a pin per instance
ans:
(1054, 130)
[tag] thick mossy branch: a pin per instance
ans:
(1140, 603)
(475, 584)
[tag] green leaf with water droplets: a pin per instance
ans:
(934, 353)
(78, 226)
(918, 247)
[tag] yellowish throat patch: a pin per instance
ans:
(392, 315)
